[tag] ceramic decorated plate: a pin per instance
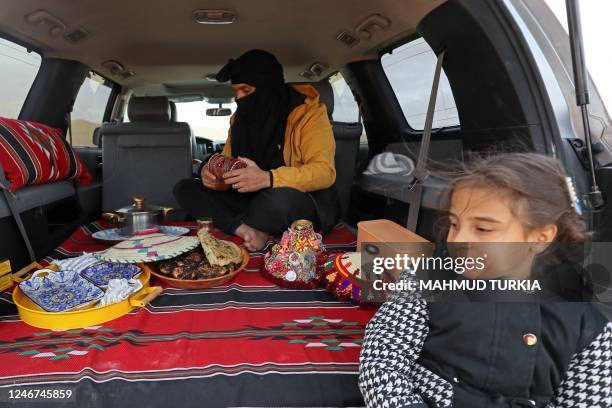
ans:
(149, 248)
(59, 291)
(114, 235)
(99, 274)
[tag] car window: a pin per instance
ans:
(89, 108)
(410, 69)
(211, 127)
(346, 108)
(18, 68)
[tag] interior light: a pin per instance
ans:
(214, 16)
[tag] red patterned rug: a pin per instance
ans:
(247, 343)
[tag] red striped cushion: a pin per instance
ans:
(32, 153)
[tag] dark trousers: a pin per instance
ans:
(271, 210)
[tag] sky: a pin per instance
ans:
(597, 35)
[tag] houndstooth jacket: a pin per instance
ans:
(393, 375)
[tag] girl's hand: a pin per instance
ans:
(249, 179)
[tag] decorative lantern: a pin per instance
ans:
(292, 263)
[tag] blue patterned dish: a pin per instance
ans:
(114, 235)
(59, 291)
(99, 274)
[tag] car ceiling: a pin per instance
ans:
(162, 44)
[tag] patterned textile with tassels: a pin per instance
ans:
(343, 277)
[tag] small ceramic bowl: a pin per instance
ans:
(59, 291)
(99, 274)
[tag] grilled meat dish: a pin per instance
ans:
(194, 265)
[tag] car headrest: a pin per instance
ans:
(326, 93)
(172, 111)
(149, 109)
(97, 138)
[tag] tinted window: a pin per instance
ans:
(89, 108)
(410, 70)
(18, 68)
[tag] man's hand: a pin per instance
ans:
(249, 179)
(210, 181)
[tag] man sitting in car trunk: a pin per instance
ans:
(283, 134)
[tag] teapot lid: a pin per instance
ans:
(139, 207)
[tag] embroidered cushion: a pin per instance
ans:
(32, 153)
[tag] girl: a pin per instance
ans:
(544, 354)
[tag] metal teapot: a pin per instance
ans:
(138, 218)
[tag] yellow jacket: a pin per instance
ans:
(309, 146)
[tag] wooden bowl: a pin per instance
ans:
(196, 283)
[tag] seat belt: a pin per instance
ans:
(420, 174)
(10, 200)
(75, 184)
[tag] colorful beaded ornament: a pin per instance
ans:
(292, 263)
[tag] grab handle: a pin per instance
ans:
(150, 294)
(21, 274)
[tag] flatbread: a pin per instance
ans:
(219, 252)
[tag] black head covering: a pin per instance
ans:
(258, 131)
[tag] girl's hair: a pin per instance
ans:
(537, 186)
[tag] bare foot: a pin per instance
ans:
(254, 239)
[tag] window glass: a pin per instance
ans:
(214, 128)
(346, 108)
(18, 68)
(89, 107)
(410, 70)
